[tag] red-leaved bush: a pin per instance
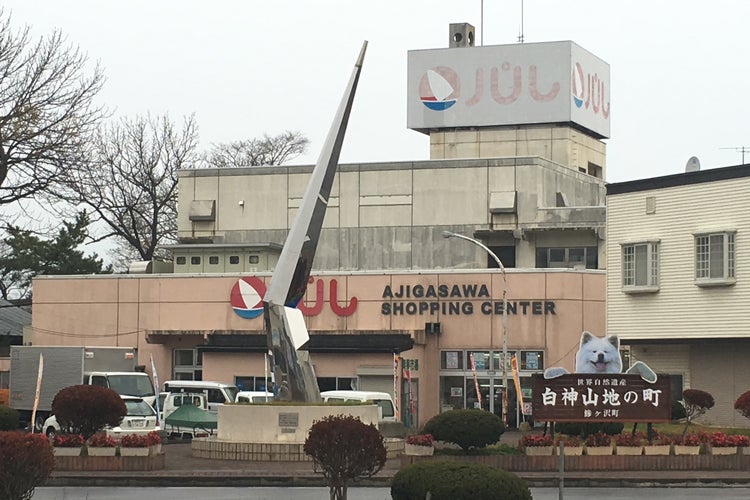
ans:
(27, 461)
(742, 404)
(134, 441)
(343, 448)
(86, 409)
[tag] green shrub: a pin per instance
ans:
(27, 461)
(9, 419)
(86, 409)
(466, 428)
(456, 481)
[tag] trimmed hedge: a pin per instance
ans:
(466, 428)
(457, 481)
(86, 409)
(9, 419)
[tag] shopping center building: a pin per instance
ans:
(517, 162)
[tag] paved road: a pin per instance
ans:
(162, 493)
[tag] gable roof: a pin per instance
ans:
(12, 319)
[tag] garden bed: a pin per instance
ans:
(116, 463)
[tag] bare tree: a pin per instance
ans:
(267, 150)
(46, 110)
(131, 182)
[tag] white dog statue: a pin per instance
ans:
(601, 355)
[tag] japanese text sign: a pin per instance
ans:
(582, 397)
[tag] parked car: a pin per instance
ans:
(139, 419)
(217, 393)
(253, 397)
(384, 401)
(173, 401)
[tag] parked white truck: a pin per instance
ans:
(112, 367)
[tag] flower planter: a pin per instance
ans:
(539, 450)
(135, 452)
(657, 449)
(629, 450)
(724, 450)
(599, 450)
(685, 449)
(745, 450)
(415, 449)
(67, 451)
(572, 450)
(101, 451)
(155, 449)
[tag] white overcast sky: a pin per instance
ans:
(245, 68)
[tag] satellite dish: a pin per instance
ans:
(693, 164)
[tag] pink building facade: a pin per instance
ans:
(412, 334)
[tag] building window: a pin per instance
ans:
(213, 259)
(532, 360)
(451, 360)
(714, 259)
(249, 383)
(337, 383)
(640, 267)
(180, 261)
(584, 257)
(187, 364)
(254, 259)
(234, 259)
(195, 260)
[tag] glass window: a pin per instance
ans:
(567, 257)
(451, 360)
(531, 360)
(254, 259)
(216, 396)
(714, 257)
(640, 265)
(195, 260)
(183, 357)
(481, 360)
(234, 259)
(497, 356)
(180, 261)
(213, 259)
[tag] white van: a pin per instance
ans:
(217, 393)
(254, 397)
(386, 408)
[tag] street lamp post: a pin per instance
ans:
(449, 234)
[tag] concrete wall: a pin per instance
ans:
(259, 423)
(391, 215)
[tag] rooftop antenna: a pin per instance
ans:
(741, 149)
(520, 36)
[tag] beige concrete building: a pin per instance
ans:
(675, 288)
(522, 173)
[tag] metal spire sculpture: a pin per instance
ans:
(285, 327)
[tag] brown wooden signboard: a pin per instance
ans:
(581, 397)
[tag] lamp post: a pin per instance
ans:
(449, 234)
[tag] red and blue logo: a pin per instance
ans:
(439, 88)
(246, 297)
